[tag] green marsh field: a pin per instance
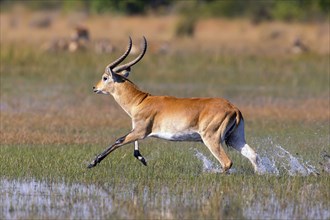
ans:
(53, 125)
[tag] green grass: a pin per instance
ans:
(52, 126)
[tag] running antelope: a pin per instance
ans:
(212, 121)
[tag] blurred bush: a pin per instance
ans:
(186, 26)
(127, 7)
(286, 10)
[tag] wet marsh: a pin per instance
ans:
(52, 125)
(62, 187)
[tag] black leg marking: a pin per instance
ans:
(94, 163)
(101, 156)
(97, 160)
(105, 153)
(138, 156)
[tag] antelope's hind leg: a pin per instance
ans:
(138, 155)
(218, 152)
(237, 141)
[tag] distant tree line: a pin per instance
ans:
(257, 10)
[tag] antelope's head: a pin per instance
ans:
(116, 74)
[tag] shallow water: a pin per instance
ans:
(22, 199)
(39, 199)
(270, 207)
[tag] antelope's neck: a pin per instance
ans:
(128, 96)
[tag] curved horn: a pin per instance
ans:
(133, 62)
(120, 59)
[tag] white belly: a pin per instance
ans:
(179, 136)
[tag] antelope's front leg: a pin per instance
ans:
(137, 153)
(129, 138)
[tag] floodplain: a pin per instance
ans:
(52, 126)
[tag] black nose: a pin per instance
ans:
(93, 87)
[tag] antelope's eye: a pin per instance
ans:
(105, 78)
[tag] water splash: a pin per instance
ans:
(274, 160)
(208, 165)
(267, 166)
(277, 158)
(294, 165)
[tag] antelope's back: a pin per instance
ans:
(183, 113)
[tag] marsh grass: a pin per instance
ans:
(52, 126)
(166, 188)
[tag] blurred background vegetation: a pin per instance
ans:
(257, 11)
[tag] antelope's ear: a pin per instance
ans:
(126, 72)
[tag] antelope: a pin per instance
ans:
(212, 121)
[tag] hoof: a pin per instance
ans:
(144, 162)
(138, 156)
(93, 164)
(227, 167)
